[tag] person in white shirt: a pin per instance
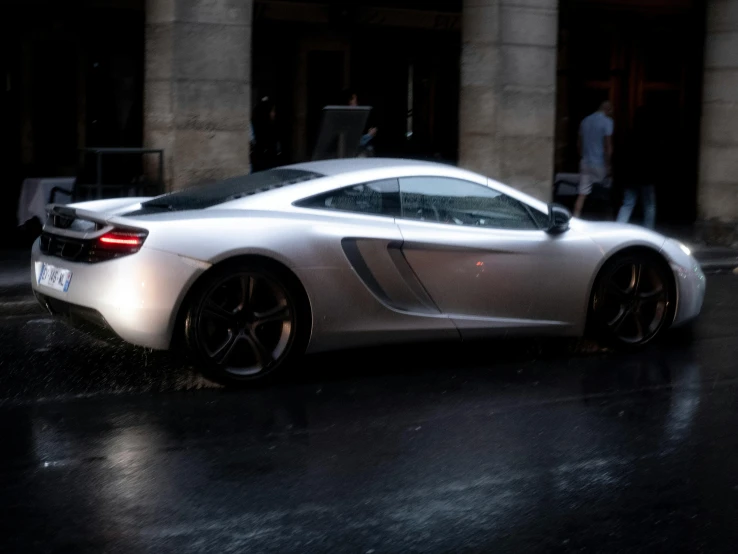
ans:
(595, 150)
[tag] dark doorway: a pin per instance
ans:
(411, 79)
(325, 78)
(54, 89)
(645, 60)
(10, 131)
(71, 76)
(408, 72)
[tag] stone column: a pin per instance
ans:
(197, 91)
(508, 91)
(718, 180)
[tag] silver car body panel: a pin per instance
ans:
(369, 279)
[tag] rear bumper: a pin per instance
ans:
(135, 297)
(85, 319)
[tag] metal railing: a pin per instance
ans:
(99, 189)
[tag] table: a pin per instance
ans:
(36, 195)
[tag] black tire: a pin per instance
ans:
(246, 323)
(633, 300)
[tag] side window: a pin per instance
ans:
(456, 202)
(375, 198)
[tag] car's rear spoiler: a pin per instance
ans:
(66, 212)
(61, 217)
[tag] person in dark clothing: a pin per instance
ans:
(640, 170)
(266, 150)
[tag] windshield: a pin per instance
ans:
(206, 196)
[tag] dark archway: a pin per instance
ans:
(646, 58)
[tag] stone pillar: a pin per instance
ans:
(197, 91)
(508, 91)
(718, 179)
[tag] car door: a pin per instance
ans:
(486, 258)
(364, 220)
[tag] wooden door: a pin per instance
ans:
(663, 98)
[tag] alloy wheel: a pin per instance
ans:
(245, 324)
(633, 301)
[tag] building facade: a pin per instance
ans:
(497, 86)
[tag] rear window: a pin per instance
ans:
(206, 196)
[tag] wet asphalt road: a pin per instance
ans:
(497, 447)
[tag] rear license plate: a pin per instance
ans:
(55, 277)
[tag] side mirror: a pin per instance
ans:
(558, 219)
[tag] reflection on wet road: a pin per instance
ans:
(494, 447)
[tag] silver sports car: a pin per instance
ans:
(247, 274)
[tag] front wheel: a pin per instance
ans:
(245, 323)
(633, 300)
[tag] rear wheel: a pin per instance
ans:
(246, 323)
(633, 299)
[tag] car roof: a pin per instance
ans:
(338, 172)
(352, 165)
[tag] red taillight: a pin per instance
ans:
(120, 240)
(112, 238)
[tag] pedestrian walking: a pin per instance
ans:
(595, 151)
(640, 174)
